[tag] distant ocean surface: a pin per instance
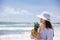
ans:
(18, 27)
(15, 27)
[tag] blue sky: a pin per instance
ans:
(26, 10)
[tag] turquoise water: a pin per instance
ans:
(14, 25)
(18, 25)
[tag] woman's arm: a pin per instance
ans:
(38, 36)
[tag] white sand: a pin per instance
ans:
(57, 34)
(23, 36)
(26, 36)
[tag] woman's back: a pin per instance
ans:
(46, 34)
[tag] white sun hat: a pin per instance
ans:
(44, 15)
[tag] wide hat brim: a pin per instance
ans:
(44, 15)
(40, 16)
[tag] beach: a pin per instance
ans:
(23, 36)
(27, 36)
(22, 32)
(18, 18)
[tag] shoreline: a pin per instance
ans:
(26, 36)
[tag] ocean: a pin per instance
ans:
(14, 27)
(22, 30)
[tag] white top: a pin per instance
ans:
(46, 34)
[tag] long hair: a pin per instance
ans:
(48, 24)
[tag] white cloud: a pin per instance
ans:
(13, 14)
(10, 10)
(24, 12)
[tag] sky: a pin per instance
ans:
(26, 10)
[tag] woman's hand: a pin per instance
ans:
(38, 36)
(35, 35)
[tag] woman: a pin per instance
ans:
(45, 30)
